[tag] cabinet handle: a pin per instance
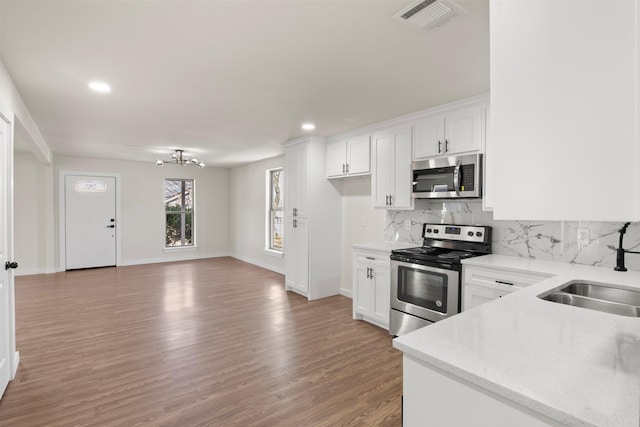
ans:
(295, 223)
(390, 200)
(439, 147)
(446, 145)
(343, 168)
(347, 167)
(504, 283)
(370, 257)
(371, 274)
(295, 212)
(368, 272)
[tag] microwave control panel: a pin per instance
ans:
(466, 180)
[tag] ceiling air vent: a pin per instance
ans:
(429, 13)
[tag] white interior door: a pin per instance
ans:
(90, 221)
(7, 329)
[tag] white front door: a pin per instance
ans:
(90, 221)
(7, 330)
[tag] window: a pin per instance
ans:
(178, 202)
(275, 213)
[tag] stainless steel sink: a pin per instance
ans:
(597, 296)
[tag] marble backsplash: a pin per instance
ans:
(551, 240)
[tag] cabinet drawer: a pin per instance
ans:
(500, 279)
(370, 257)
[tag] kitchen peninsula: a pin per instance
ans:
(524, 361)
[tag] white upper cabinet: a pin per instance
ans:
(392, 175)
(564, 113)
(297, 180)
(349, 157)
(454, 132)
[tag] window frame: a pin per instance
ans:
(269, 212)
(183, 215)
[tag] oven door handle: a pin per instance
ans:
(456, 177)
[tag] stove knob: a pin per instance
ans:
(470, 234)
(435, 231)
(479, 233)
(429, 230)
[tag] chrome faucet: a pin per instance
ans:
(620, 251)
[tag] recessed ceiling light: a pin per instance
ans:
(98, 86)
(308, 126)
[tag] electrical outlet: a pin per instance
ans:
(407, 224)
(583, 237)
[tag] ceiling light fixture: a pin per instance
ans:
(308, 126)
(100, 87)
(177, 158)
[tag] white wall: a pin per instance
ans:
(247, 214)
(34, 219)
(360, 223)
(142, 207)
(13, 108)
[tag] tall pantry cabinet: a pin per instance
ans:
(312, 221)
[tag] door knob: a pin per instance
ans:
(111, 226)
(9, 265)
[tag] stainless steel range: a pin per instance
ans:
(425, 281)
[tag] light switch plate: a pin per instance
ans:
(583, 237)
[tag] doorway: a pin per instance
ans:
(7, 305)
(89, 229)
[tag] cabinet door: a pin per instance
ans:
(364, 290)
(296, 255)
(575, 114)
(296, 177)
(428, 138)
(359, 155)
(402, 174)
(290, 181)
(381, 306)
(476, 295)
(463, 131)
(336, 159)
(382, 179)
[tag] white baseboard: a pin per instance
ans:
(16, 362)
(278, 270)
(172, 258)
(31, 271)
(347, 293)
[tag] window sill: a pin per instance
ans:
(273, 253)
(180, 248)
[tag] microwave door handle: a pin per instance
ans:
(456, 177)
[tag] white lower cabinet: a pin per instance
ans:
(478, 295)
(371, 286)
(433, 397)
(482, 284)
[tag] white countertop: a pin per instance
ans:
(384, 246)
(575, 365)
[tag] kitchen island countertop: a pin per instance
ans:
(577, 366)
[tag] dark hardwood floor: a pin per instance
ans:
(195, 343)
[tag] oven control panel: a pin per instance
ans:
(465, 233)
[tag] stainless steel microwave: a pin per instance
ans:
(448, 177)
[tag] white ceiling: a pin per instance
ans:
(230, 81)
